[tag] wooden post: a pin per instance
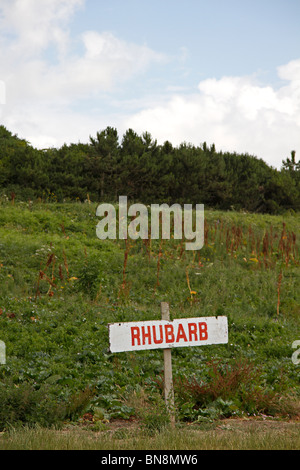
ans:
(168, 376)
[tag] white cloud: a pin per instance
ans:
(107, 61)
(37, 25)
(41, 89)
(235, 113)
(34, 24)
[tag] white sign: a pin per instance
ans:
(162, 334)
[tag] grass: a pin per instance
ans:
(225, 435)
(60, 286)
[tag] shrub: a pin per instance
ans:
(24, 404)
(229, 389)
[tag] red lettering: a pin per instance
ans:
(192, 331)
(146, 335)
(169, 332)
(135, 335)
(203, 331)
(160, 340)
(181, 333)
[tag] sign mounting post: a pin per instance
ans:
(168, 375)
(165, 334)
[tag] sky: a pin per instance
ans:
(224, 72)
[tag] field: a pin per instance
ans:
(60, 286)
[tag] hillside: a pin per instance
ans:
(60, 286)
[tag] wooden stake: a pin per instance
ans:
(168, 375)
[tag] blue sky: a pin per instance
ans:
(222, 37)
(221, 71)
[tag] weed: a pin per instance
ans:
(25, 403)
(151, 410)
(227, 390)
(79, 402)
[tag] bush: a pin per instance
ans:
(24, 404)
(228, 389)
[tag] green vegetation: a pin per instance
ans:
(60, 286)
(136, 166)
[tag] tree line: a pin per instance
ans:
(136, 166)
